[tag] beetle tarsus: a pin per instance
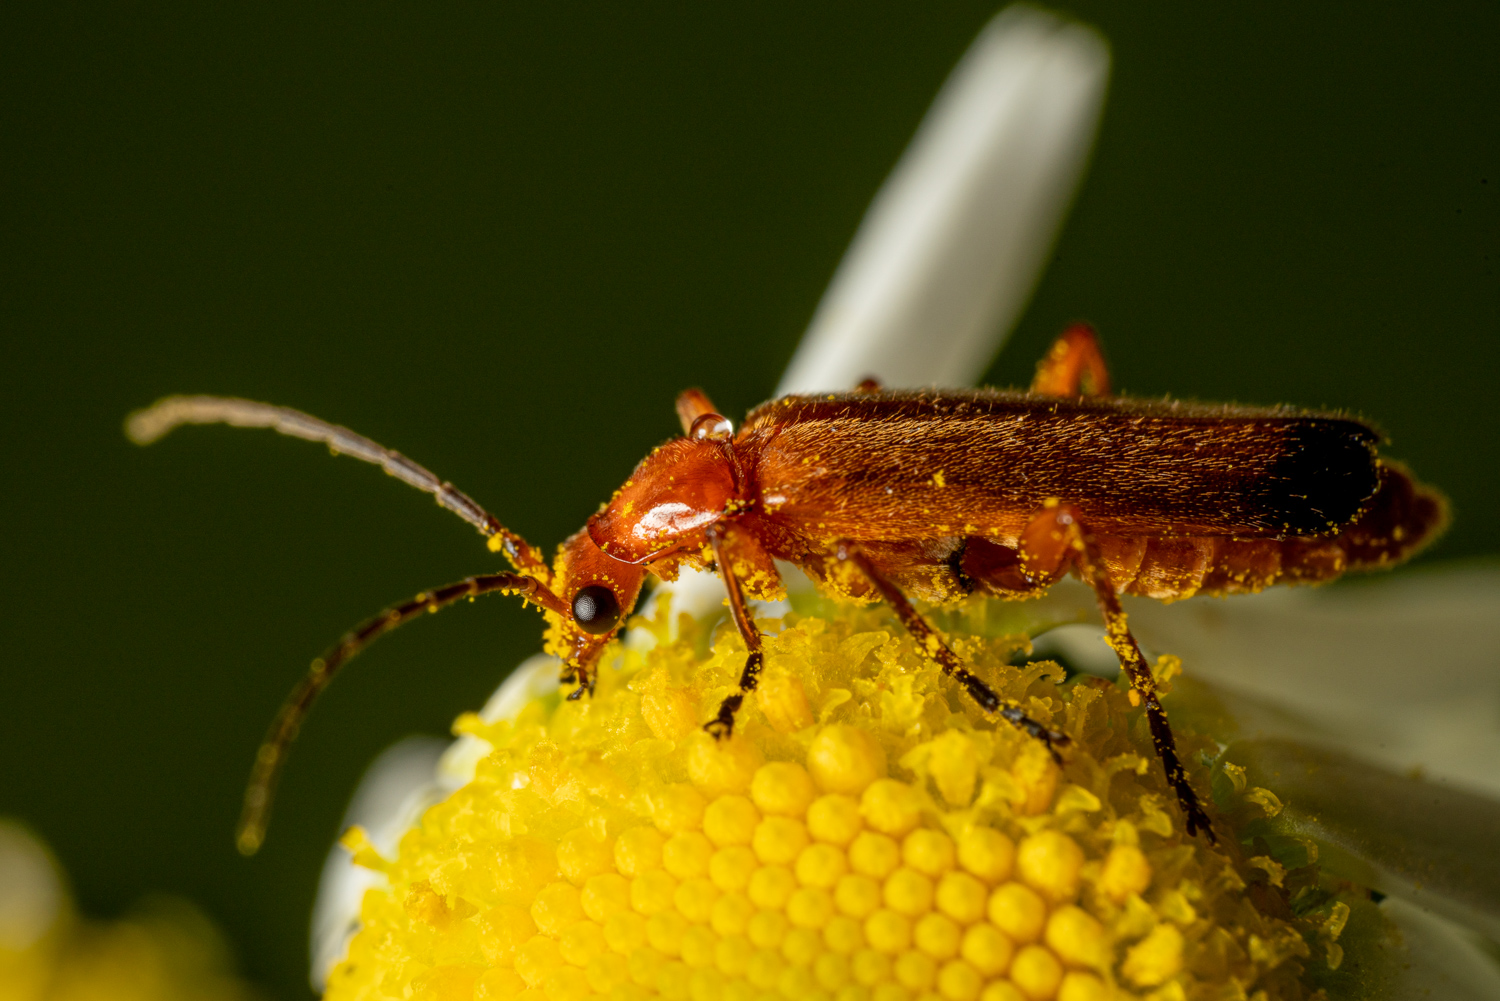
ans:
(721, 727)
(1052, 738)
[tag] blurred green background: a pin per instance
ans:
(500, 238)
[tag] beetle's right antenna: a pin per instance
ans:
(156, 421)
(271, 757)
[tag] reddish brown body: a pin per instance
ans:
(938, 494)
(938, 489)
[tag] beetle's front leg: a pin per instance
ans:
(722, 725)
(586, 680)
(933, 646)
(1056, 537)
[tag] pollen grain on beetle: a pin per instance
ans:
(865, 835)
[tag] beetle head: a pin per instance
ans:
(676, 493)
(597, 591)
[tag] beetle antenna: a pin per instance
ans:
(153, 423)
(271, 757)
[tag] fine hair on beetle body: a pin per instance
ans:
(934, 494)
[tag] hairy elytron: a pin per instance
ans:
(937, 494)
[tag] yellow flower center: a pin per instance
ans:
(866, 835)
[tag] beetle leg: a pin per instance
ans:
(585, 682)
(1057, 536)
(1074, 366)
(932, 644)
(722, 725)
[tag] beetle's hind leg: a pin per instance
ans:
(1055, 537)
(932, 644)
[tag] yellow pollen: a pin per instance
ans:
(891, 807)
(987, 853)
(771, 886)
(1078, 939)
(1018, 911)
(556, 907)
(821, 865)
(782, 787)
(1036, 972)
(687, 854)
(730, 820)
(928, 851)
(874, 855)
(937, 935)
(865, 834)
(888, 931)
(1050, 863)
(1126, 871)
(731, 867)
(857, 895)
(987, 949)
(845, 759)
(638, 850)
(834, 818)
(779, 840)
(652, 891)
(1156, 958)
(908, 892)
(962, 897)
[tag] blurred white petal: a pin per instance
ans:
(950, 250)
(1445, 960)
(535, 678)
(1402, 671)
(31, 890)
(1431, 845)
(394, 792)
(398, 787)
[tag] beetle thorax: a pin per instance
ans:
(674, 495)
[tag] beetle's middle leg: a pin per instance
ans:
(722, 725)
(933, 646)
(1056, 537)
(1073, 366)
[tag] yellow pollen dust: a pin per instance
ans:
(867, 834)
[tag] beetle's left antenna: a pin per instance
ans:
(148, 425)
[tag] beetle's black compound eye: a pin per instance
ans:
(596, 609)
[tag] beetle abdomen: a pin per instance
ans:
(1400, 519)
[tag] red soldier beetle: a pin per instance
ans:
(940, 494)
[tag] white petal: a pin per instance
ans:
(1401, 670)
(394, 792)
(952, 246)
(1445, 960)
(535, 678)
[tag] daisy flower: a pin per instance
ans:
(867, 834)
(163, 950)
